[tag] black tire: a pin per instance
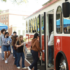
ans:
(61, 63)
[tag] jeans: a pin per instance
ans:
(15, 58)
(51, 54)
(14, 52)
(2, 52)
(19, 55)
(35, 60)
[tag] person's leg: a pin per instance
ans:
(35, 60)
(9, 51)
(23, 63)
(18, 59)
(35, 67)
(50, 54)
(15, 62)
(8, 54)
(5, 55)
(13, 52)
(2, 52)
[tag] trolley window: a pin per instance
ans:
(29, 26)
(35, 25)
(66, 25)
(38, 24)
(59, 20)
(26, 27)
(42, 24)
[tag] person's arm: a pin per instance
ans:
(4, 39)
(38, 46)
(10, 40)
(17, 44)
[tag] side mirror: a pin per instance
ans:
(66, 9)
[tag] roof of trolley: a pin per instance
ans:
(53, 1)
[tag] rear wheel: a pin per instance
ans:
(61, 62)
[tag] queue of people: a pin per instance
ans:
(19, 49)
(18, 46)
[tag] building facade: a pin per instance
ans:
(14, 20)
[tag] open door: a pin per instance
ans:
(45, 29)
(45, 41)
(48, 28)
(41, 33)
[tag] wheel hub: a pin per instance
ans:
(63, 65)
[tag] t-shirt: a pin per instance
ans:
(19, 49)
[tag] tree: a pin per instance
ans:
(16, 1)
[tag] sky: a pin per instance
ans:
(29, 7)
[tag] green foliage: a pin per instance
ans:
(4, 0)
(16, 1)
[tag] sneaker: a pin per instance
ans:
(18, 67)
(28, 68)
(6, 61)
(24, 68)
(2, 58)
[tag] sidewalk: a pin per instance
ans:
(10, 65)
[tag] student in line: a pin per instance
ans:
(6, 45)
(1, 46)
(35, 48)
(14, 49)
(20, 52)
(14, 42)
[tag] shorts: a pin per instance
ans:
(6, 48)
